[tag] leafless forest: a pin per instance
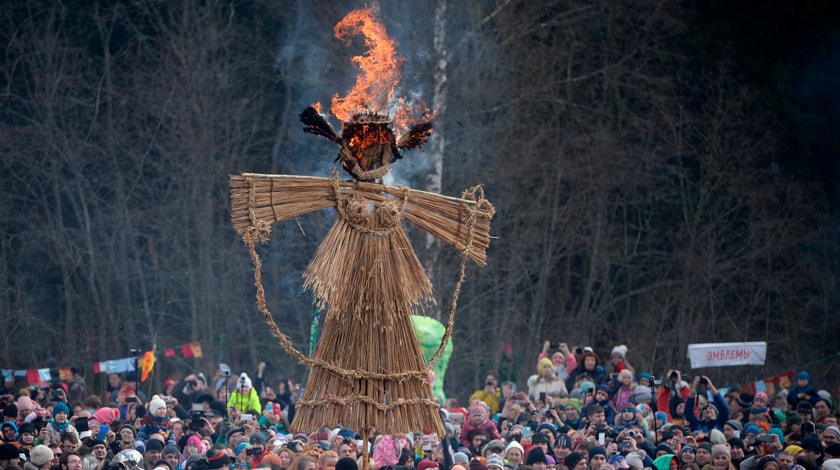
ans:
(639, 195)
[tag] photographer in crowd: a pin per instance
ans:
(714, 414)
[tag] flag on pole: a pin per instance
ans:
(148, 365)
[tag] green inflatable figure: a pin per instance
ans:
(429, 332)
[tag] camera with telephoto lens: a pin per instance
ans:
(196, 420)
(672, 376)
(253, 451)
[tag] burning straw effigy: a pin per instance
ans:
(368, 373)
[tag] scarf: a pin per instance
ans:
(61, 427)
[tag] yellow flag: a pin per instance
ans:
(148, 364)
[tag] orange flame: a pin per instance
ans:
(379, 66)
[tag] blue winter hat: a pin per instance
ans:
(10, 423)
(661, 416)
(548, 426)
(803, 375)
(587, 386)
(241, 446)
(59, 407)
(752, 428)
(778, 432)
(347, 433)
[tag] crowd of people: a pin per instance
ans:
(577, 413)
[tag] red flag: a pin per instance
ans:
(96, 369)
(169, 352)
(186, 350)
(33, 377)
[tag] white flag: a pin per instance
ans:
(727, 354)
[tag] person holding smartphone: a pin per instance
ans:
(244, 397)
(490, 393)
(712, 415)
(546, 383)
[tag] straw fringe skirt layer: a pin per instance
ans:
(369, 278)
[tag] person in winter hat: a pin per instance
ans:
(641, 395)
(622, 389)
(635, 460)
(244, 398)
(535, 455)
(573, 418)
(564, 361)
(155, 421)
(812, 447)
(628, 418)
(514, 453)
(666, 462)
(760, 406)
(575, 461)
(602, 398)
(618, 362)
(802, 391)
(732, 428)
(478, 419)
(59, 425)
(721, 457)
(104, 417)
(40, 457)
(712, 416)
(26, 436)
(546, 381)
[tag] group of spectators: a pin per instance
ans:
(576, 413)
(582, 413)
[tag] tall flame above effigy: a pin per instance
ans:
(368, 372)
(368, 140)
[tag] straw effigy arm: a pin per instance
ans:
(258, 201)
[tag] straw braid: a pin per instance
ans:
(469, 194)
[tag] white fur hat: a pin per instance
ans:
(620, 350)
(156, 404)
(244, 381)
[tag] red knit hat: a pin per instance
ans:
(426, 464)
